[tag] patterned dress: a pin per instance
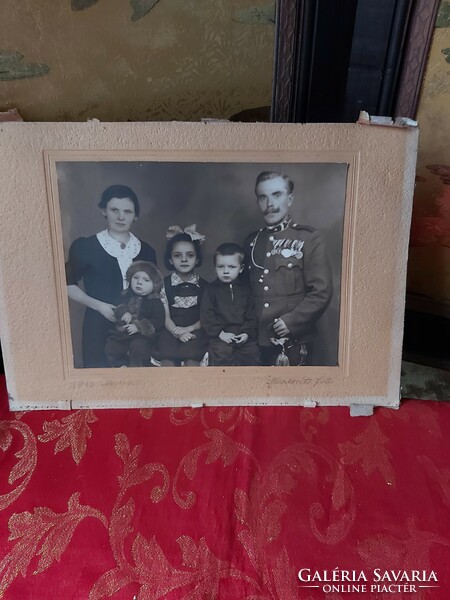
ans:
(183, 299)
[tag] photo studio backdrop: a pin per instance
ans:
(220, 200)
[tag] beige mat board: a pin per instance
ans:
(35, 323)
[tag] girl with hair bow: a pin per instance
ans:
(183, 340)
(190, 230)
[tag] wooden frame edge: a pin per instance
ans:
(415, 57)
(295, 36)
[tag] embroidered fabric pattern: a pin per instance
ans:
(123, 253)
(185, 301)
(219, 503)
(176, 279)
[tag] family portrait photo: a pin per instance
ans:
(209, 264)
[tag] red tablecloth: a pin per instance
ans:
(230, 503)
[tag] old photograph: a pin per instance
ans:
(202, 263)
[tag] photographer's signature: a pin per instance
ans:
(312, 381)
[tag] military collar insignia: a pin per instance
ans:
(280, 227)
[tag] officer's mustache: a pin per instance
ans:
(271, 211)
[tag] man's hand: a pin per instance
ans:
(241, 338)
(280, 328)
(227, 337)
(131, 329)
(126, 318)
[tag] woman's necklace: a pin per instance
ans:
(122, 245)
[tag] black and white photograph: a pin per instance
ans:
(203, 263)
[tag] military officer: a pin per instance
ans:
(289, 274)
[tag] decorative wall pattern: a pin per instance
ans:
(429, 258)
(136, 59)
(12, 66)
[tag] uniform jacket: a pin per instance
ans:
(147, 313)
(228, 307)
(290, 278)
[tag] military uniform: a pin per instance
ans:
(291, 279)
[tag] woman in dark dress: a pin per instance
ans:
(101, 262)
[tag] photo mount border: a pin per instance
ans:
(281, 387)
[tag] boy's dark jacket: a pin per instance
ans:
(147, 313)
(228, 307)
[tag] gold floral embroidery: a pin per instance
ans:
(45, 534)
(422, 412)
(220, 447)
(442, 478)
(261, 509)
(73, 431)
(262, 502)
(230, 417)
(5, 437)
(285, 577)
(147, 413)
(259, 512)
(309, 417)
(405, 550)
(369, 450)
(149, 567)
(182, 415)
(27, 458)
(135, 475)
(209, 569)
(157, 577)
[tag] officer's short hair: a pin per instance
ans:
(265, 175)
(229, 249)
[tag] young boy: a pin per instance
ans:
(228, 313)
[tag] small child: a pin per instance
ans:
(183, 341)
(228, 312)
(139, 318)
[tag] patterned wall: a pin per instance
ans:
(120, 60)
(429, 257)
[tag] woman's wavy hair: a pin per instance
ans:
(119, 191)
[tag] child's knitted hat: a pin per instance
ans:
(152, 271)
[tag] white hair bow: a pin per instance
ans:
(189, 230)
